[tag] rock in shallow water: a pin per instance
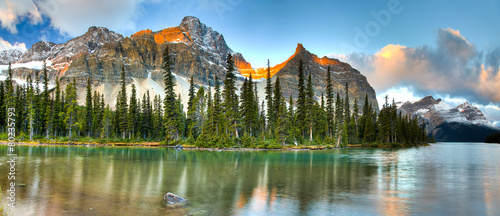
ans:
(173, 201)
(199, 213)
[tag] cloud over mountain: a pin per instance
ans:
(5, 45)
(72, 17)
(455, 67)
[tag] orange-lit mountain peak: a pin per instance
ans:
(141, 33)
(173, 34)
(326, 61)
(299, 48)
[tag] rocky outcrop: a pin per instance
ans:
(9, 56)
(447, 123)
(171, 200)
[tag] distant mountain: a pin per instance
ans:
(447, 123)
(198, 51)
(341, 72)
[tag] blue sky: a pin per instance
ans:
(359, 32)
(271, 29)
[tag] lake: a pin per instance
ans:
(442, 179)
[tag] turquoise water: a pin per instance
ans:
(442, 179)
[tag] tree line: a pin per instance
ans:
(221, 118)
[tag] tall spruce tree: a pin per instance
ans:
(277, 98)
(70, 107)
(106, 123)
(122, 106)
(191, 98)
(172, 114)
(329, 103)
(89, 111)
(301, 101)
(217, 107)
(46, 103)
(347, 111)
(310, 106)
(132, 114)
(3, 107)
(9, 89)
(57, 110)
(282, 121)
(30, 107)
(231, 105)
(269, 99)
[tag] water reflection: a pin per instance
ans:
(441, 179)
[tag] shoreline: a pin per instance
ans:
(192, 147)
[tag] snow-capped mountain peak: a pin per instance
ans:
(439, 115)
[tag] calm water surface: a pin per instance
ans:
(442, 179)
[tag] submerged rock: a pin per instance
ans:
(173, 201)
(199, 213)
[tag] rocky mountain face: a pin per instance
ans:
(341, 73)
(197, 51)
(447, 123)
(7, 56)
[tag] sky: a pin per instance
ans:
(407, 49)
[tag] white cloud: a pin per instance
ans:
(455, 68)
(5, 45)
(398, 94)
(13, 11)
(73, 17)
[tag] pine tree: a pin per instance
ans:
(362, 119)
(217, 107)
(70, 107)
(339, 117)
(89, 111)
(209, 123)
(38, 105)
(158, 118)
(269, 99)
(57, 110)
(46, 103)
(369, 126)
(30, 107)
(353, 126)
(282, 121)
(132, 114)
(347, 111)
(310, 106)
(97, 113)
(291, 115)
(145, 120)
(329, 104)
(191, 97)
(106, 123)
(122, 106)
(3, 107)
(172, 114)
(277, 101)
(9, 87)
(301, 101)
(248, 115)
(231, 107)
(19, 105)
(257, 121)
(197, 114)
(191, 93)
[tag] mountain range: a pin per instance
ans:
(447, 123)
(198, 52)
